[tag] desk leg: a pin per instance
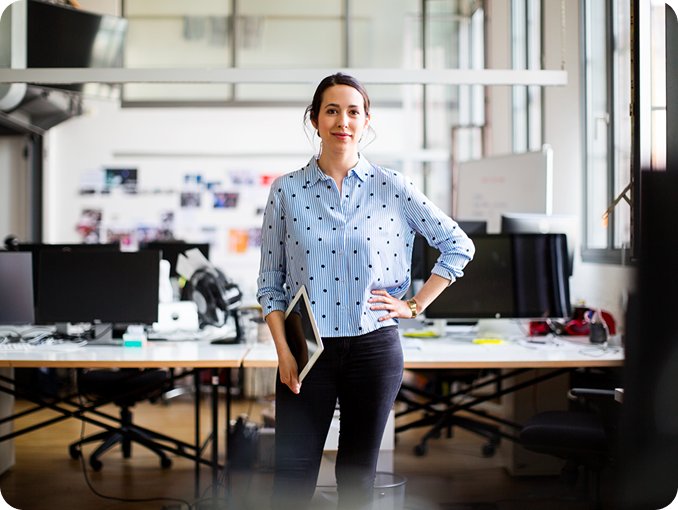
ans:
(198, 450)
(215, 429)
(228, 430)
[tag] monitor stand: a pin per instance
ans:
(238, 338)
(104, 334)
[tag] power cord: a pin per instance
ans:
(182, 503)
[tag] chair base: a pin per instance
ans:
(124, 435)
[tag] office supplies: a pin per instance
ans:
(302, 334)
(484, 341)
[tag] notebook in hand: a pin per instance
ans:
(301, 332)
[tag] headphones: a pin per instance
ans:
(214, 294)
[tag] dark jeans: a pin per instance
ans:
(364, 373)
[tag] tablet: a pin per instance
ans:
(301, 332)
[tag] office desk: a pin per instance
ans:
(193, 355)
(517, 359)
(448, 352)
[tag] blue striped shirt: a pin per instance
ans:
(343, 247)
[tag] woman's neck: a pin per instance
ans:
(337, 165)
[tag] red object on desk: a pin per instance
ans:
(578, 325)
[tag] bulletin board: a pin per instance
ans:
(517, 183)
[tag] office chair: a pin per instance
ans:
(436, 400)
(124, 388)
(581, 437)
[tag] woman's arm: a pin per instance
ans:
(399, 308)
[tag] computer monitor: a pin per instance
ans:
(37, 248)
(16, 288)
(119, 288)
(172, 249)
(420, 268)
(525, 223)
(511, 276)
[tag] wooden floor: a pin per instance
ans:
(452, 476)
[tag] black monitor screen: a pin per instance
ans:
(511, 276)
(172, 249)
(16, 288)
(115, 287)
(37, 248)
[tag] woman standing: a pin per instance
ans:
(344, 228)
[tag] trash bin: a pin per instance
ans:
(389, 491)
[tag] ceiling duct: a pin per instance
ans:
(36, 34)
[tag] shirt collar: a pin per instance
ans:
(313, 173)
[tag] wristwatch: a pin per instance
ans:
(413, 307)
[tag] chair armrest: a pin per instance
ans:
(576, 393)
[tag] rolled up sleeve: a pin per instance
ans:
(271, 293)
(441, 232)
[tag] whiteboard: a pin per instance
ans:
(485, 188)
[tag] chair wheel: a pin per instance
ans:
(74, 452)
(95, 464)
(166, 462)
(420, 449)
(488, 450)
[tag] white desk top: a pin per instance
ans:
(197, 354)
(449, 353)
(442, 352)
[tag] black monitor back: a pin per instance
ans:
(107, 287)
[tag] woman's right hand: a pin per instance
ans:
(289, 372)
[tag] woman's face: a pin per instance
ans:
(342, 118)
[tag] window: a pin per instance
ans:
(526, 51)
(607, 138)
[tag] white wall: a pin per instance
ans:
(73, 148)
(167, 143)
(15, 213)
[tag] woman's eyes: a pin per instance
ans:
(334, 111)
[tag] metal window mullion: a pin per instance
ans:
(611, 155)
(526, 90)
(234, 39)
(347, 34)
(585, 112)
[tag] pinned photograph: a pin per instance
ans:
(190, 199)
(224, 200)
(124, 179)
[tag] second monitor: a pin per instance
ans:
(511, 276)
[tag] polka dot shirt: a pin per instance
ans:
(341, 246)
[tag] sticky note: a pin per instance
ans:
(488, 341)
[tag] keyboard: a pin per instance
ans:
(16, 346)
(42, 347)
